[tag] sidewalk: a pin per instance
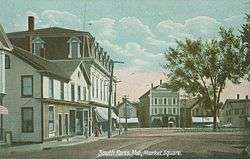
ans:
(52, 144)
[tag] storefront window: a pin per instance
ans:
(51, 118)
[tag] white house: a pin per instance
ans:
(161, 106)
(46, 99)
(5, 47)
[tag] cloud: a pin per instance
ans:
(20, 21)
(197, 27)
(103, 29)
(202, 27)
(61, 19)
(132, 29)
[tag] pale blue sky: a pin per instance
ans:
(135, 31)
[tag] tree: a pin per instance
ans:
(202, 67)
(245, 36)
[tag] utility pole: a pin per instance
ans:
(126, 113)
(110, 95)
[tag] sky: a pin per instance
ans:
(137, 32)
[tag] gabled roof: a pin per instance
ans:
(229, 101)
(4, 41)
(189, 103)
(41, 64)
(69, 66)
(48, 31)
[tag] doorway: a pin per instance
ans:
(60, 124)
(66, 124)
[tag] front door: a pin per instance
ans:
(60, 124)
(66, 124)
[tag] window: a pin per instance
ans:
(174, 110)
(165, 110)
(177, 111)
(51, 118)
(156, 101)
(93, 87)
(165, 101)
(152, 111)
(169, 110)
(96, 86)
(155, 110)
(74, 47)
(174, 101)
(62, 90)
(27, 86)
(37, 45)
(51, 88)
(104, 94)
(101, 85)
(7, 62)
(72, 92)
(27, 120)
(79, 93)
(84, 93)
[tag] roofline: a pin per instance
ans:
(6, 39)
(36, 65)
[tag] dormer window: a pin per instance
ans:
(74, 47)
(37, 45)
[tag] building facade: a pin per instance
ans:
(46, 101)
(127, 112)
(162, 104)
(5, 48)
(194, 113)
(60, 44)
(236, 112)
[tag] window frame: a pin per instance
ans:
(22, 120)
(32, 85)
(37, 41)
(54, 117)
(74, 40)
(62, 90)
(72, 92)
(79, 97)
(7, 57)
(51, 89)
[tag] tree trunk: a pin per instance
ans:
(215, 118)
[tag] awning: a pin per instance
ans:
(103, 113)
(204, 119)
(129, 120)
(3, 110)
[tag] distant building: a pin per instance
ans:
(236, 112)
(194, 113)
(159, 107)
(127, 109)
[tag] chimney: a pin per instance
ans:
(152, 85)
(238, 96)
(31, 23)
(160, 82)
(246, 96)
